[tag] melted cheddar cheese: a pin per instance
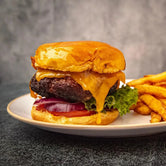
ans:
(98, 84)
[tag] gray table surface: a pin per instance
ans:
(22, 144)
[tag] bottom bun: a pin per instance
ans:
(45, 116)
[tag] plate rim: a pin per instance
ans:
(89, 127)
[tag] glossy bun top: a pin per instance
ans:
(78, 56)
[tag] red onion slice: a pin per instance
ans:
(58, 105)
(61, 107)
(44, 101)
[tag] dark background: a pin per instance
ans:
(137, 28)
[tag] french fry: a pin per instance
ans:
(153, 90)
(161, 77)
(161, 84)
(142, 109)
(155, 117)
(152, 96)
(154, 104)
(135, 105)
(149, 75)
(163, 101)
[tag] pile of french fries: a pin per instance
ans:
(152, 96)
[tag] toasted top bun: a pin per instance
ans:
(45, 116)
(78, 56)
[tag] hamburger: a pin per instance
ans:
(78, 83)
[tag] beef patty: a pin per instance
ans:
(65, 88)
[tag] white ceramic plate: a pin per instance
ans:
(131, 124)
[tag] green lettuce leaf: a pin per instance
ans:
(122, 99)
(125, 97)
(90, 104)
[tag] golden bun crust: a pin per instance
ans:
(45, 116)
(78, 56)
